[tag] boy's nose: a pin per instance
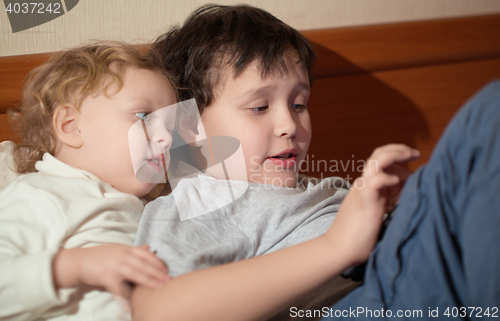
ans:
(286, 125)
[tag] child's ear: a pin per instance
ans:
(191, 130)
(66, 126)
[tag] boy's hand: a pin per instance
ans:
(375, 193)
(110, 266)
(382, 181)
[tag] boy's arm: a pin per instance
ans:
(372, 195)
(246, 290)
(254, 289)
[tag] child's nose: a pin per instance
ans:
(162, 138)
(286, 125)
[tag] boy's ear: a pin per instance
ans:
(191, 130)
(66, 126)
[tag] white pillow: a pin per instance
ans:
(7, 164)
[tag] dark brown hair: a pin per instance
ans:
(217, 36)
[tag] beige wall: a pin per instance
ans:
(141, 21)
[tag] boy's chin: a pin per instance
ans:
(289, 181)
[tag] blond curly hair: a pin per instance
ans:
(68, 78)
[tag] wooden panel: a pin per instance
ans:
(6, 132)
(346, 50)
(352, 115)
(13, 71)
(375, 84)
(395, 46)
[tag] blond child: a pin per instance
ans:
(67, 224)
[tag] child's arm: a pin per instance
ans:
(110, 266)
(32, 228)
(372, 195)
(255, 289)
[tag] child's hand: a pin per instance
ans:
(385, 179)
(110, 266)
(376, 192)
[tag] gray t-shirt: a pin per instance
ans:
(264, 219)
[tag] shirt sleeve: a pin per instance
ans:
(31, 229)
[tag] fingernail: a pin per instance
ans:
(415, 152)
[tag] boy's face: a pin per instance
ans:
(268, 116)
(104, 123)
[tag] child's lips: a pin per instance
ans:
(287, 153)
(157, 162)
(284, 162)
(285, 159)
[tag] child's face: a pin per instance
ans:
(105, 123)
(269, 118)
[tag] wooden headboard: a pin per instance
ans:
(373, 85)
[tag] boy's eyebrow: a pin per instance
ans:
(262, 90)
(303, 86)
(257, 91)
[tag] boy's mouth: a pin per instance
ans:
(284, 156)
(286, 159)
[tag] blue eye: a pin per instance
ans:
(143, 116)
(259, 109)
(299, 108)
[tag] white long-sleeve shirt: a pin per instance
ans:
(7, 164)
(60, 206)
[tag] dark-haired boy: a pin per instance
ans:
(253, 86)
(249, 73)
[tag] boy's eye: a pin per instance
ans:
(143, 116)
(259, 109)
(299, 108)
